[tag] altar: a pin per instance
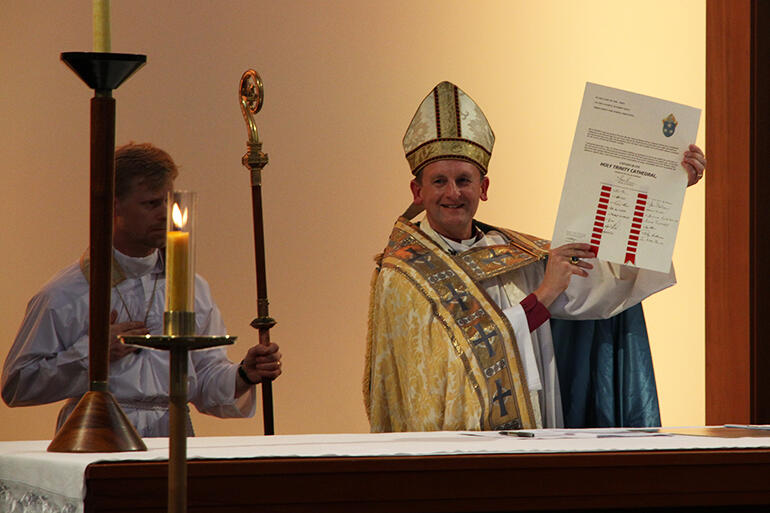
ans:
(433, 472)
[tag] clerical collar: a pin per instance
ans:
(135, 267)
(449, 245)
(464, 244)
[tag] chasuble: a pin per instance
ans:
(448, 344)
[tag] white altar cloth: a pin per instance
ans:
(33, 480)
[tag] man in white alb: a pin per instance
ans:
(48, 361)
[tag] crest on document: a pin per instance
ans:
(669, 125)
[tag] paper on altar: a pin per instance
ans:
(625, 184)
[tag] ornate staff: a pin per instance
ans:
(251, 93)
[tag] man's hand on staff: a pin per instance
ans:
(262, 363)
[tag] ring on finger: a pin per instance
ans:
(574, 260)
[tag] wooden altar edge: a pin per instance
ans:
(452, 483)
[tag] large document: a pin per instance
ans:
(625, 183)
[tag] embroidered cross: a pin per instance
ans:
(484, 338)
(457, 297)
(500, 397)
(420, 258)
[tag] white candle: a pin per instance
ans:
(101, 19)
(179, 292)
(178, 272)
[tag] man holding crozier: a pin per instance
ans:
(48, 361)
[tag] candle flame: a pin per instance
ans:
(179, 217)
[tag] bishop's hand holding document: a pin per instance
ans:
(625, 183)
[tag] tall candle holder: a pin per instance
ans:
(179, 336)
(97, 424)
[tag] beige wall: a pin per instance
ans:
(342, 81)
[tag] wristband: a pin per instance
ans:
(244, 376)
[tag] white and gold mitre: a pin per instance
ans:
(448, 125)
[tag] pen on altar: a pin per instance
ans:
(521, 434)
(747, 426)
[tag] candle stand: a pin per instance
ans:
(97, 424)
(179, 335)
(179, 344)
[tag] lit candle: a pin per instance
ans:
(178, 272)
(101, 19)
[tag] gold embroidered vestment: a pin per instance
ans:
(441, 355)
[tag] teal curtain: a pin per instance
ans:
(605, 371)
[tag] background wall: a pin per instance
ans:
(342, 80)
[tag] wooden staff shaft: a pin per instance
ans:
(262, 303)
(102, 193)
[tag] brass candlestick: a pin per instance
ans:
(179, 336)
(179, 347)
